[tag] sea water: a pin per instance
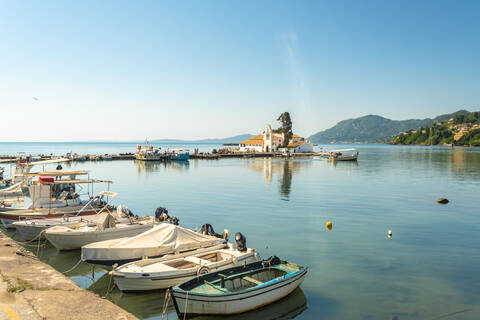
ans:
(428, 269)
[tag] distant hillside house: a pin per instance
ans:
(272, 142)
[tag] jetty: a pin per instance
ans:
(202, 155)
(33, 290)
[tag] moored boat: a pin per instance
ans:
(343, 155)
(149, 153)
(161, 240)
(161, 273)
(71, 237)
(238, 289)
(179, 154)
(34, 228)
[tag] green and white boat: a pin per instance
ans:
(238, 289)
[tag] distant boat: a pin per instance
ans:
(148, 153)
(179, 154)
(238, 289)
(343, 155)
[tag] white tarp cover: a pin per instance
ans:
(105, 221)
(160, 240)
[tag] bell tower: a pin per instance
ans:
(267, 139)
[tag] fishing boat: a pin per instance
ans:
(34, 228)
(54, 196)
(238, 289)
(161, 240)
(343, 155)
(161, 273)
(149, 153)
(71, 237)
(179, 154)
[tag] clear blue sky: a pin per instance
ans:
(126, 70)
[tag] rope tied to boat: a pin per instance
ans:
(186, 304)
(73, 268)
(166, 302)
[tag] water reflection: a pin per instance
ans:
(283, 169)
(157, 166)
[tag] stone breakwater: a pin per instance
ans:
(31, 289)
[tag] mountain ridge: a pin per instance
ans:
(373, 128)
(234, 139)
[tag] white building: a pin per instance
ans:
(271, 142)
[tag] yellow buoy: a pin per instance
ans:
(329, 225)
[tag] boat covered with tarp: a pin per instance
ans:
(160, 240)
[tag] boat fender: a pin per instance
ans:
(65, 218)
(241, 242)
(203, 270)
(234, 261)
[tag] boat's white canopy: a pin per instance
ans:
(58, 173)
(160, 240)
(77, 181)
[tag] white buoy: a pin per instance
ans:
(390, 233)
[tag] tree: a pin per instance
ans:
(285, 128)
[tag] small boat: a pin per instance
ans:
(161, 273)
(71, 237)
(34, 228)
(238, 289)
(161, 240)
(343, 155)
(179, 154)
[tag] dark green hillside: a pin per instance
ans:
(463, 130)
(373, 129)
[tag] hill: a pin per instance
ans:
(462, 130)
(234, 139)
(373, 129)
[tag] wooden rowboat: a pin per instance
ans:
(238, 289)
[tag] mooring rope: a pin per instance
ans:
(166, 301)
(73, 268)
(186, 304)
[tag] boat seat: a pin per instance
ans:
(250, 279)
(197, 260)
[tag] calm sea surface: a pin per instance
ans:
(429, 269)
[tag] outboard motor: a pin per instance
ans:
(208, 230)
(241, 242)
(161, 214)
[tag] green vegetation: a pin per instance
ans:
(285, 128)
(464, 125)
(374, 129)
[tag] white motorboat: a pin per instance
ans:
(161, 240)
(237, 289)
(170, 270)
(343, 155)
(73, 237)
(149, 153)
(34, 228)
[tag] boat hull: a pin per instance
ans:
(76, 240)
(9, 217)
(138, 282)
(234, 303)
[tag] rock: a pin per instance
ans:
(443, 201)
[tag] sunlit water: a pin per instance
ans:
(429, 269)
